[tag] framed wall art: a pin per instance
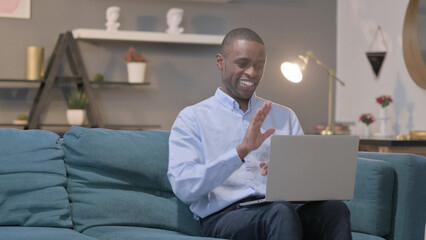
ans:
(15, 9)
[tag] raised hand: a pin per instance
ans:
(254, 137)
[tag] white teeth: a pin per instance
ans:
(247, 83)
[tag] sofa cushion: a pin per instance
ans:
(118, 177)
(137, 233)
(40, 233)
(409, 199)
(371, 207)
(32, 180)
(363, 236)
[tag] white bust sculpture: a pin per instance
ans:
(174, 18)
(112, 14)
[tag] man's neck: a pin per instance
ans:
(243, 104)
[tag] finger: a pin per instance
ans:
(268, 108)
(265, 109)
(268, 133)
(261, 114)
(264, 171)
(257, 119)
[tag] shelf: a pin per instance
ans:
(188, 38)
(11, 125)
(116, 84)
(20, 80)
(68, 80)
(19, 83)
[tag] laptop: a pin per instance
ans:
(306, 168)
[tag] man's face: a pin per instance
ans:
(242, 66)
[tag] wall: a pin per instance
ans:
(357, 23)
(180, 74)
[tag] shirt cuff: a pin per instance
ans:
(235, 159)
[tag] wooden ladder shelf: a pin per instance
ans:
(65, 45)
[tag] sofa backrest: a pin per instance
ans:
(409, 194)
(32, 180)
(371, 206)
(118, 177)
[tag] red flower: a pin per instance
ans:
(133, 56)
(367, 118)
(384, 100)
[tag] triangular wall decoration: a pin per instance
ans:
(377, 57)
(376, 60)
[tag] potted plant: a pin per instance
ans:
(136, 65)
(98, 77)
(368, 119)
(21, 119)
(77, 102)
(384, 101)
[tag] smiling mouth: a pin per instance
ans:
(247, 83)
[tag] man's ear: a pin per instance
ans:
(219, 61)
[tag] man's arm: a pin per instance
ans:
(190, 175)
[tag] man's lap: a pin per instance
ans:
(248, 222)
(255, 222)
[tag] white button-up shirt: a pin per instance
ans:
(205, 169)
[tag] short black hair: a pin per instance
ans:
(239, 34)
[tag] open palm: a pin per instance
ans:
(254, 137)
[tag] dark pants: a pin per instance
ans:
(280, 221)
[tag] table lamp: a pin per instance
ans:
(294, 73)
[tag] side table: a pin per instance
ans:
(392, 145)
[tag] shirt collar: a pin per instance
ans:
(230, 103)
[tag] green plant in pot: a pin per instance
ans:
(98, 77)
(21, 119)
(77, 103)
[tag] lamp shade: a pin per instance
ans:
(292, 72)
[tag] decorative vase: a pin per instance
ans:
(383, 112)
(35, 59)
(383, 118)
(136, 72)
(75, 116)
(366, 130)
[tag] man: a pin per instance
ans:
(219, 149)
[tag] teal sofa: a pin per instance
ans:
(390, 197)
(112, 185)
(90, 184)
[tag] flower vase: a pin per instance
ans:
(366, 130)
(136, 72)
(383, 118)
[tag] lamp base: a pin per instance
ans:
(329, 130)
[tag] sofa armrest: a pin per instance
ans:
(371, 207)
(409, 198)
